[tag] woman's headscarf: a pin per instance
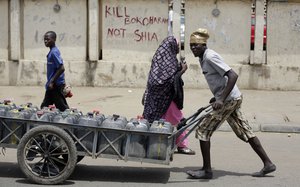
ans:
(164, 63)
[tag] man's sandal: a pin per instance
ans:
(264, 171)
(200, 174)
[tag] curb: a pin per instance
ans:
(280, 128)
(283, 128)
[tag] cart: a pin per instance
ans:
(48, 152)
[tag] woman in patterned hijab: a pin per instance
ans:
(160, 91)
(159, 94)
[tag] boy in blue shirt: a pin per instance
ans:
(55, 75)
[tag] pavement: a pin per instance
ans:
(267, 111)
(233, 160)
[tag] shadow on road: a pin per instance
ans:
(116, 174)
(121, 174)
(10, 170)
(219, 173)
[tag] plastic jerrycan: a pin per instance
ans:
(86, 120)
(69, 116)
(28, 110)
(19, 127)
(39, 116)
(98, 116)
(112, 122)
(5, 106)
(137, 142)
(157, 144)
(45, 114)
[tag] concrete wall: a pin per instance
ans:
(229, 33)
(283, 33)
(4, 30)
(70, 25)
(111, 42)
(4, 65)
(133, 29)
(283, 39)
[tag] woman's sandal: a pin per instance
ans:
(185, 150)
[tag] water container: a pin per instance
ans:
(28, 109)
(137, 142)
(90, 119)
(18, 127)
(98, 116)
(5, 106)
(69, 116)
(46, 114)
(40, 116)
(112, 122)
(157, 145)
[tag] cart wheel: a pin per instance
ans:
(40, 155)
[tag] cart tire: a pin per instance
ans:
(40, 155)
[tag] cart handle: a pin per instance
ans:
(194, 120)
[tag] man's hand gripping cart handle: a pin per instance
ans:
(193, 121)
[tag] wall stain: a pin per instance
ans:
(67, 2)
(105, 78)
(70, 67)
(28, 71)
(61, 36)
(264, 72)
(2, 67)
(78, 37)
(142, 74)
(90, 70)
(36, 36)
(124, 70)
(112, 70)
(296, 69)
(134, 69)
(239, 71)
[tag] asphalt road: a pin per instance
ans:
(233, 162)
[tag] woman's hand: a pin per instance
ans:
(184, 67)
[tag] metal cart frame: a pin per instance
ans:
(48, 152)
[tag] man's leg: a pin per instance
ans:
(205, 150)
(243, 130)
(205, 172)
(205, 130)
(268, 165)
